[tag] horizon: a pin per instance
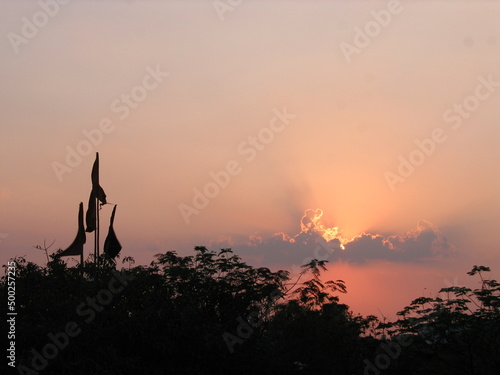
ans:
(271, 128)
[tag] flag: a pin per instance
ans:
(91, 215)
(96, 188)
(76, 248)
(97, 192)
(111, 245)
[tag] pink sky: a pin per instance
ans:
(383, 115)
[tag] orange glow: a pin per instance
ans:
(311, 221)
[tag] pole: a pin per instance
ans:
(97, 227)
(95, 237)
(97, 187)
(96, 233)
(96, 240)
(81, 262)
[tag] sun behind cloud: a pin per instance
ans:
(311, 221)
(315, 239)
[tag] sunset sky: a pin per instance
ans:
(372, 125)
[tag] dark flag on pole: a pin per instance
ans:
(111, 245)
(97, 192)
(91, 215)
(96, 188)
(76, 248)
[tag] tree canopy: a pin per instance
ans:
(211, 313)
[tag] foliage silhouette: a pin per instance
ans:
(455, 333)
(170, 317)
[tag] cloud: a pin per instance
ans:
(318, 241)
(222, 242)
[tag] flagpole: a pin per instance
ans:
(95, 233)
(98, 195)
(97, 210)
(95, 247)
(81, 261)
(97, 228)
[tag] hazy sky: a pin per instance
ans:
(374, 125)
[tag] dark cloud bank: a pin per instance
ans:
(425, 243)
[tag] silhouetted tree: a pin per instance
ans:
(174, 316)
(457, 332)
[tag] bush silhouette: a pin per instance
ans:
(211, 313)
